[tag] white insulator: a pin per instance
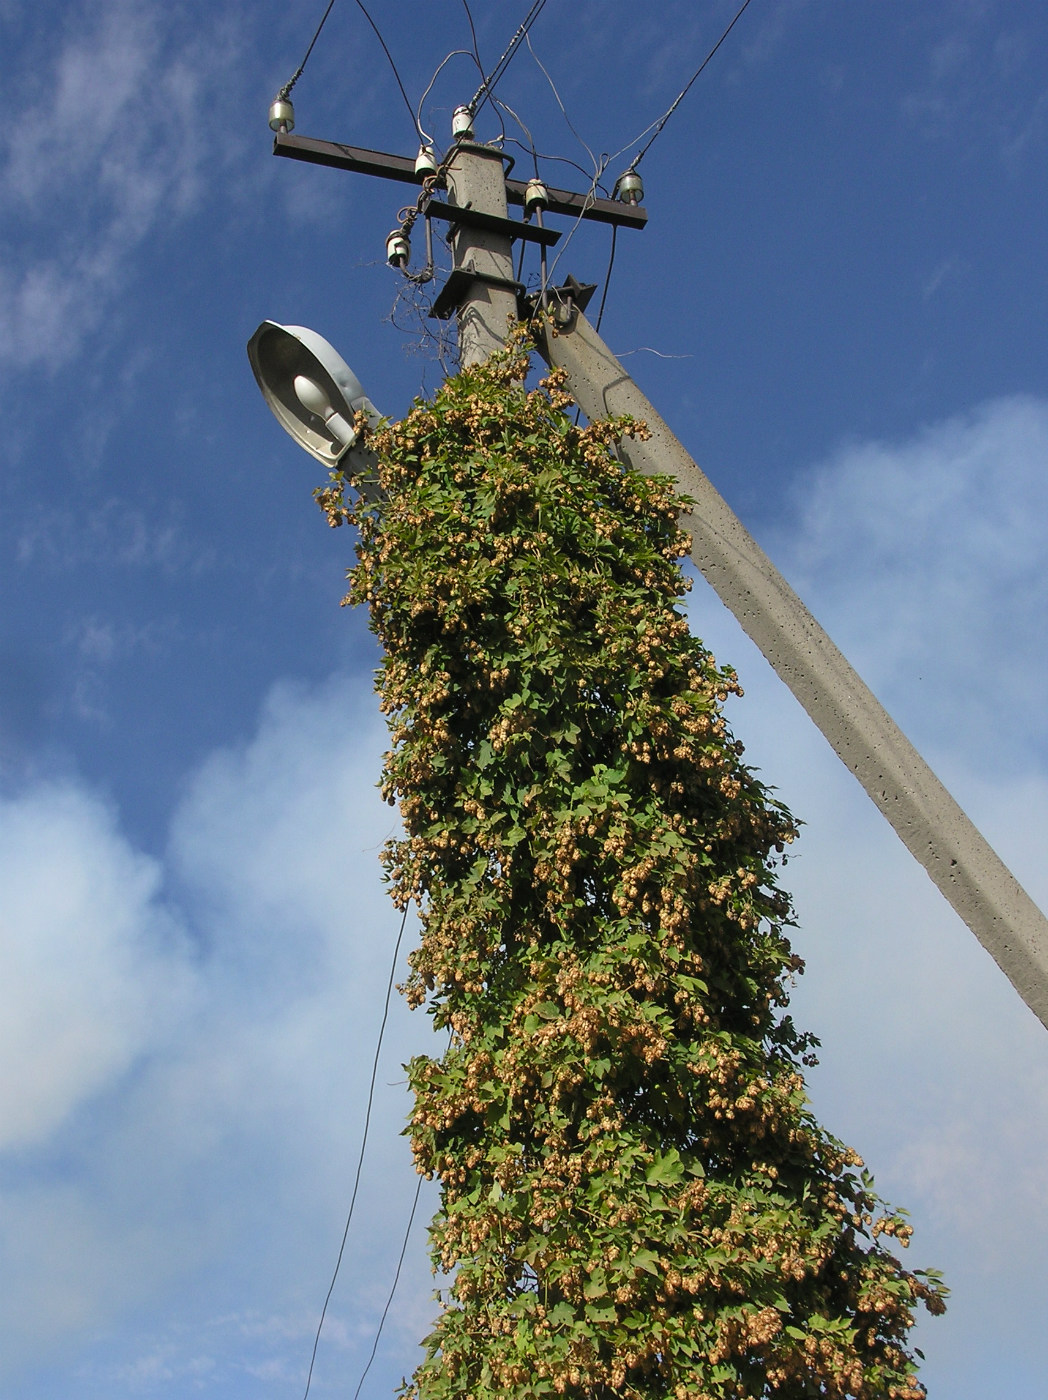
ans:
(398, 249)
(536, 196)
(629, 188)
(281, 115)
(425, 162)
(462, 124)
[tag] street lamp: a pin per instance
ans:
(315, 397)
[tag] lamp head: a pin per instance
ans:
(310, 389)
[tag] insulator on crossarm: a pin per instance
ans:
(462, 124)
(536, 196)
(425, 162)
(629, 188)
(398, 249)
(281, 115)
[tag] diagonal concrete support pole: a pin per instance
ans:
(932, 826)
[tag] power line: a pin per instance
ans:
(360, 1159)
(393, 1289)
(685, 90)
(411, 111)
(285, 91)
(565, 160)
(560, 104)
(473, 33)
(484, 91)
(655, 128)
(455, 53)
(607, 275)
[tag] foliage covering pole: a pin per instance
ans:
(636, 1200)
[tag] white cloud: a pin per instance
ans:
(198, 1160)
(926, 561)
(189, 1107)
(93, 970)
(105, 143)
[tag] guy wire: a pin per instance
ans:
(393, 1289)
(360, 1159)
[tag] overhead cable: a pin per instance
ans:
(473, 34)
(285, 91)
(424, 135)
(411, 111)
(656, 127)
(393, 1289)
(360, 1159)
(607, 276)
(564, 111)
(484, 91)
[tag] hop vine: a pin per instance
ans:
(636, 1200)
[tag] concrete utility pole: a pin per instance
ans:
(482, 293)
(476, 180)
(932, 826)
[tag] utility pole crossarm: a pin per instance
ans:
(365, 162)
(933, 827)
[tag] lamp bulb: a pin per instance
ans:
(312, 396)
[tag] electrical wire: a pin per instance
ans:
(587, 203)
(378, 35)
(360, 1159)
(607, 275)
(656, 127)
(473, 35)
(564, 111)
(487, 86)
(424, 135)
(564, 160)
(530, 147)
(285, 91)
(393, 1289)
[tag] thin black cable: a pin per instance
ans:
(565, 160)
(684, 91)
(607, 275)
(411, 111)
(484, 91)
(285, 91)
(360, 1159)
(497, 102)
(587, 199)
(560, 104)
(389, 1300)
(473, 34)
(455, 53)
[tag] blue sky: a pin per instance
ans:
(839, 304)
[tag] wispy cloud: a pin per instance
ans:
(106, 134)
(185, 1052)
(925, 560)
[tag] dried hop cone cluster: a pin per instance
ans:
(636, 1200)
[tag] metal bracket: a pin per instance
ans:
(563, 303)
(456, 289)
(462, 214)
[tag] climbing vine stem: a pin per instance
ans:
(636, 1198)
